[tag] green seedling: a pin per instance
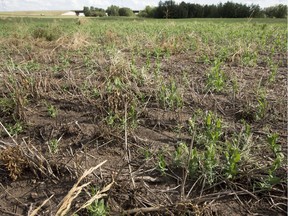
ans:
(273, 73)
(54, 146)
(98, 207)
(170, 97)
(112, 118)
(7, 105)
(272, 178)
(162, 164)
(181, 155)
(216, 80)
(15, 129)
(213, 127)
(232, 156)
(52, 111)
(262, 104)
(210, 162)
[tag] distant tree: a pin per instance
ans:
(255, 11)
(147, 12)
(214, 12)
(97, 12)
(182, 10)
(159, 11)
(113, 10)
(125, 12)
(228, 10)
(92, 11)
(86, 11)
(278, 11)
(169, 9)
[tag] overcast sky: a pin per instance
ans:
(25, 5)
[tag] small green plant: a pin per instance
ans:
(249, 58)
(273, 72)
(6, 106)
(162, 165)
(169, 96)
(181, 154)
(232, 156)
(98, 207)
(15, 129)
(194, 162)
(112, 118)
(210, 162)
(262, 104)
(216, 80)
(272, 178)
(53, 146)
(52, 111)
(132, 116)
(147, 153)
(208, 129)
(213, 127)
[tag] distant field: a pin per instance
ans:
(189, 116)
(32, 13)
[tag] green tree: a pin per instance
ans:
(255, 11)
(147, 12)
(86, 11)
(97, 12)
(113, 10)
(278, 11)
(125, 12)
(182, 10)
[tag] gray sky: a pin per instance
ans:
(25, 5)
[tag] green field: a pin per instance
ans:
(189, 116)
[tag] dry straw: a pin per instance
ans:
(65, 204)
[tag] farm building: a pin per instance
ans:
(73, 13)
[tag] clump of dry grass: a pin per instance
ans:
(14, 161)
(82, 21)
(66, 203)
(75, 41)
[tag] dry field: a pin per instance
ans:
(143, 117)
(31, 13)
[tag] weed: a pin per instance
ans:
(249, 58)
(232, 156)
(169, 96)
(273, 179)
(162, 165)
(216, 80)
(53, 146)
(49, 32)
(262, 104)
(6, 106)
(273, 73)
(213, 127)
(15, 129)
(112, 118)
(98, 207)
(181, 154)
(52, 110)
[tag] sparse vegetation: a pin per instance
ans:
(187, 113)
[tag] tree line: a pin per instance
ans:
(170, 9)
(113, 10)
